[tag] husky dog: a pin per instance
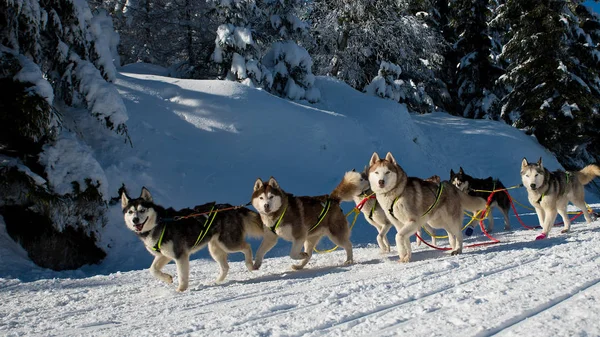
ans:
(168, 237)
(301, 220)
(550, 192)
(411, 202)
(474, 186)
(355, 187)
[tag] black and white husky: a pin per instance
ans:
(480, 188)
(168, 235)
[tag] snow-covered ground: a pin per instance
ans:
(198, 141)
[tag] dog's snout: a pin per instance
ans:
(532, 186)
(381, 182)
(135, 220)
(267, 207)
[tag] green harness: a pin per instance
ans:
(201, 236)
(319, 219)
(437, 199)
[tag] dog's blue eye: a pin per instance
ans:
(142, 210)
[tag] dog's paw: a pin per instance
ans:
(348, 262)
(297, 266)
(181, 289)
(508, 229)
(300, 256)
(256, 266)
(565, 231)
(405, 259)
(167, 278)
(540, 237)
(456, 252)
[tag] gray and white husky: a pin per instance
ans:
(550, 192)
(169, 237)
(355, 187)
(301, 220)
(411, 202)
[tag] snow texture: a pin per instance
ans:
(518, 287)
(101, 97)
(68, 160)
(31, 73)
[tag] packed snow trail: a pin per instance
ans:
(518, 287)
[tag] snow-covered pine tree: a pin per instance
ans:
(56, 65)
(547, 97)
(237, 52)
(387, 83)
(288, 64)
(354, 36)
(476, 71)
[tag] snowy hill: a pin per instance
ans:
(199, 141)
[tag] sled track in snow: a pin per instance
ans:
(554, 302)
(359, 318)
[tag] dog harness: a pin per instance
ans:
(274, 228)
(567, 177)
(366, 195)
(201, 236)
(437, 199)
(323, 214)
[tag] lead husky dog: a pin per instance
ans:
(301, 220)
(169, 238)
(476, 186)
(550, 192)
(355, 187)
(411, 202)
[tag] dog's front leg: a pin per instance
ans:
(183, 271)
(403, 239)
(296, 252)
(268, 242)
(157, 265)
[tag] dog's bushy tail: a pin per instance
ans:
(347, 188)
(471, 203)
(588, 174)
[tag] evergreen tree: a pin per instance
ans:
(56, 64)
(288, 63)
(549, 96)
(237, 51)
(476, 71)
(353, 37)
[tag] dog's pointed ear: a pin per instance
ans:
(273, 183)
(540, 162)
(124, 200)
(374, 159)
(524, 163)
(353, 170)
(258, 184)
(146, 195)
(461, 171)
(364, 175)
(390, 158)
(452, 174)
